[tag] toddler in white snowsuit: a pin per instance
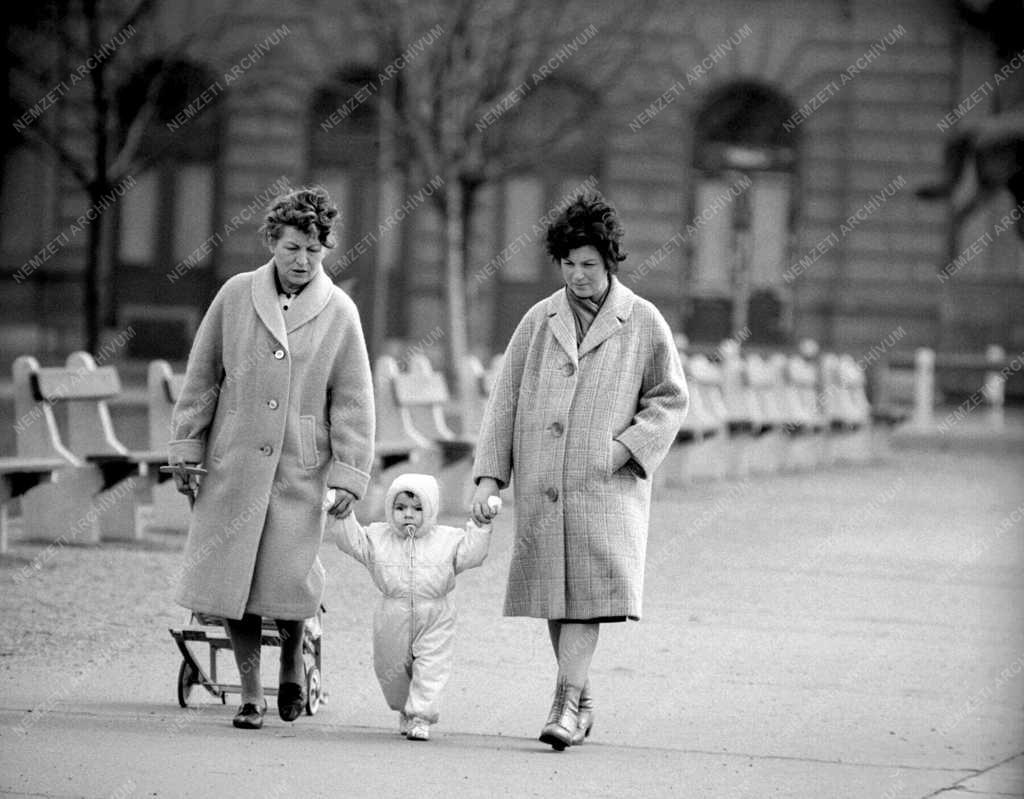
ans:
(413, 561)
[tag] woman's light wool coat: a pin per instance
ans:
(277, 405)
(581, 529)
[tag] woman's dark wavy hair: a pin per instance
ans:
(308, 209)
(588, 220)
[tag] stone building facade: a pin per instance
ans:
(764, 157)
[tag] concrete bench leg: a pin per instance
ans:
(802, 452)
(881, 442)
(741, 449)
(455, 481)
(65, 508)
(708, 460)
(675, 471)
(170, 510)
(5, 527)
(120, 506)
(766, 453)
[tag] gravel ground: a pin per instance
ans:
(837, 616)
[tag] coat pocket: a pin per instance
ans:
(308, 455)
(224, 437)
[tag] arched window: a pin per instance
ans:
(744, 172)
(550, 145)
(170, 112)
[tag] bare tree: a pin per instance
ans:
(82, 55)
(461, 111)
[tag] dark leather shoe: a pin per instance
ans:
(291, 700)
(249, 716)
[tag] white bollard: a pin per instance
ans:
(994, 388)
(924, 387)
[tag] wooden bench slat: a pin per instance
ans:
(420, 389)
(54, 384)
(173, 386)
(15, 464)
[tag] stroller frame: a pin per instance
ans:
(212, 630)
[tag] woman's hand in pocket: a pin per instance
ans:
(620, 455)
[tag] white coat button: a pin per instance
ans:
(266, 449)
(279, 354)
(272, 404)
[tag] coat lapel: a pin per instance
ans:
(610, 318)
(264, 299)
(309, 302)
(560, 320)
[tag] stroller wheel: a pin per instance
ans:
(312, 691)
(186, 679)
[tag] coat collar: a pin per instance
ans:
(618, 305)
(307, 303)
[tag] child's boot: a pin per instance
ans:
(419, 730)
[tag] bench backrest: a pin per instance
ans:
(802, 386)
(163, 387)
(740, 402)
(704, 382)
(476, 403)
(83, 389)
(765, 385)
(422, 395)
(392, 434)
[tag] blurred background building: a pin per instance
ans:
(765, 155)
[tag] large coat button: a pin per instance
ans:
(272, 404)
(568, 369)
(279, 354)
(266, 449)
(557, 429)
(552, 494)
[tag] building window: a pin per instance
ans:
(546, 144)
(744, 169)
(343, 158)
(168, 225)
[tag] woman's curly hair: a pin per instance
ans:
(308, 209)
(588, 220)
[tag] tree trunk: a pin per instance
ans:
(92, 278)
(455, 286)
(98, 187)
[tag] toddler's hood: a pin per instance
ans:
(425, 488)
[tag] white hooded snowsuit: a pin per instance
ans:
(414, 622)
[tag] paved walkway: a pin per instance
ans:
(851, 632)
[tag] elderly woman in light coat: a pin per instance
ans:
(589, 399)
(277, 405)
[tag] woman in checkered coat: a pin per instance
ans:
(588, 401)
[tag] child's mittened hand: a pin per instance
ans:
(330, 499)
(494, 506)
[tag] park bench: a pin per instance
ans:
(805, 426)
(422, 397)
(394, 443)
(846, 408)
(170, 509)
(700, 446)
(396, 449)
(481, 381)
(100, 491)
(18, 476)
(745, 420)
(767, 389)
